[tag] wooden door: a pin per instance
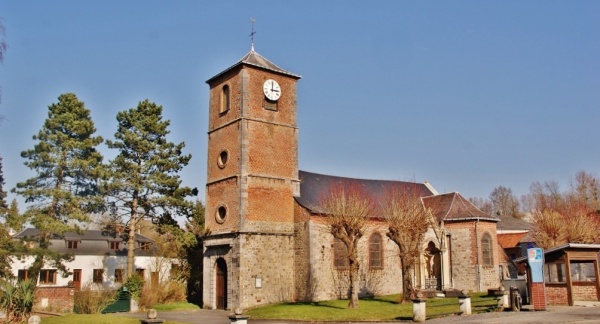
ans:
(77, 279)
(221, 284)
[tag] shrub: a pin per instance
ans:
(166, 292)
(134, 285)
(17, 299)
(92, 299)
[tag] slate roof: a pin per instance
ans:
(315, 187)
(252, 58)
(91, 242)
(509, 223)
(454, 207)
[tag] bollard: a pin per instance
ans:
(238, 318)
(151, 314)
(515, 299)
(464, 303)
(419, 313)
(34, 319)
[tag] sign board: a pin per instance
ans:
(535, 258)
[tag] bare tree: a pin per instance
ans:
(549, 228)
(586, 189)
(485, 205)
(347, 209)
(569, 217)
(407, 220)
(504, 202)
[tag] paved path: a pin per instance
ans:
(554, 314)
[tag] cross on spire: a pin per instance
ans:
(252, 20)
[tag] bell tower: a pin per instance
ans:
(251, 183)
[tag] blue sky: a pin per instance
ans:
(467, 95)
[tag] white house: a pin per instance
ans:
(99, 257)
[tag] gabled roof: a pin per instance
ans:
(454, 207)
(252, 58)
(314, 188)
(87, 235)
(91, 242)
(509, 223)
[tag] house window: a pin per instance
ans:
(583, 271)
(375, 252)
(98, 276)
(340, 255)
(225, 99)
(72, 244)
(554, 273)
(114, 245)
(23, 275)
(486, 249)
(145, 245)
(119, 274)
(48, 276)
(140, 273)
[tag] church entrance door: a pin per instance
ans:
(221, 284)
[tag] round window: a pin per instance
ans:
(221, 214)
(222, 161)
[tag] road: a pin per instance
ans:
(554, 314)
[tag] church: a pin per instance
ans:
(269, 240)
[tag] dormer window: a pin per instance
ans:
(145, 245)
(72, 244)
(114, 245)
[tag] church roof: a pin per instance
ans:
(252, 58)
(454, 207)
(314, 188)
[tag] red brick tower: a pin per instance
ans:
(251, 183)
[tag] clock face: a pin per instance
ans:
(272, 89)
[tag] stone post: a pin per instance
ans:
(419, 305)
(151, 314)
(238, 317)
(464, 303)
(502, 298)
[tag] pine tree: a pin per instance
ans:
(144, 183)
(5, 239)
(64, 190)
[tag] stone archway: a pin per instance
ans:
(433, 273)
(221, 283)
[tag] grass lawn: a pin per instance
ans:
(93, 319)
(383, 308)
(115, 318)
(176, 306)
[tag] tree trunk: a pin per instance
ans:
(131, 239)
(353, 276)
(407, 280)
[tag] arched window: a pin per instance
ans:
(486, 249)
(375, 252)
(340, 255)
(225, 99)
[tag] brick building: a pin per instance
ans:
(268, 238)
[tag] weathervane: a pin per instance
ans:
(252, 20)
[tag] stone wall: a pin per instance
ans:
(54, 299)
(468, 272)
(267, 260)
(323, 281)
